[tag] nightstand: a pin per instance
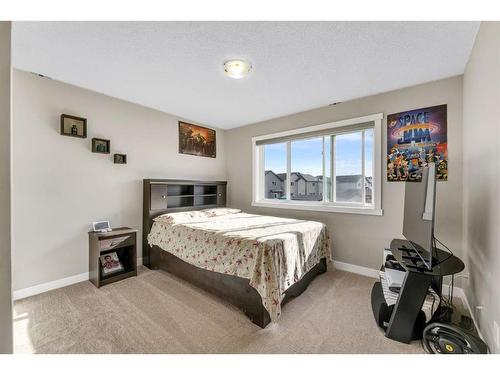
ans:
(123, 242)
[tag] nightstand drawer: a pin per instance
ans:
(116, 242)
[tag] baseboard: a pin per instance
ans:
(459, 292)
(51, 285)
(365, 271)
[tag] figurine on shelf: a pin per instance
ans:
(101, 147)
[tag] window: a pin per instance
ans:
(306, 168)
(348, 167)
(368, 183)
(275, 170)
(330, 167)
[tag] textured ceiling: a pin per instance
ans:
(176, 67)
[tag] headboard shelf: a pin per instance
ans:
(205, 200)
(205, 189)
(179, 189)
(162, 196)
(180, 201)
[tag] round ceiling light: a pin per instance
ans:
(237, 68)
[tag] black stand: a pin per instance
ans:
(411, 298)
(415, 287)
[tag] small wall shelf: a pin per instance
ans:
(120, 158)
(101, 146)
(73, 126)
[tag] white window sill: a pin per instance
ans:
(322, 207)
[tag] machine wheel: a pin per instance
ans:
(442, 338)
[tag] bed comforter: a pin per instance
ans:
(272, 253)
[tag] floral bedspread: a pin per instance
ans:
(272, 252)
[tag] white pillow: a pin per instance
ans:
(221, 211)
(181, 217)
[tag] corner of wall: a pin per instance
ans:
(5, 188)
(481, 180)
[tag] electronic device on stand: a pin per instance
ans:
(416, 308)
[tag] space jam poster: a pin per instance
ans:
(415, 138)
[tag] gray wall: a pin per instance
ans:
(60, 186)
(5, 225)
(360, 239)
(482, 178)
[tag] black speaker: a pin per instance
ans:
(444, 338)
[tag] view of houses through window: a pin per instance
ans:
(311, 168)
(307, 169)
(275, 170)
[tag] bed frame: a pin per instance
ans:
(164, 196)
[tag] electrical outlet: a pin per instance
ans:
(496, 331)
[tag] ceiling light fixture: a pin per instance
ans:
(237, 68)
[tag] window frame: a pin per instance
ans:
(258, 166)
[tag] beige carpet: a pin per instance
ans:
(159, 313)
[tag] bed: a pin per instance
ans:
(255, 262)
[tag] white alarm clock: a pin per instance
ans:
(101, 226)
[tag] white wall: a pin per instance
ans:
(60, 186)
(5, 191)
(482, 178)
(360, 239)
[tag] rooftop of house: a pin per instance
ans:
(310, 178)
(297, 176)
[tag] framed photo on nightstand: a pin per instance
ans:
(110, 263)
(101, 226)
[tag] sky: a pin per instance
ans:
(307, 155)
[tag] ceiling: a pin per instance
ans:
(176, 67)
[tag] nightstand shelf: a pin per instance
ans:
(123, 242)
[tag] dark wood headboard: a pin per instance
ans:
(163, 196)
